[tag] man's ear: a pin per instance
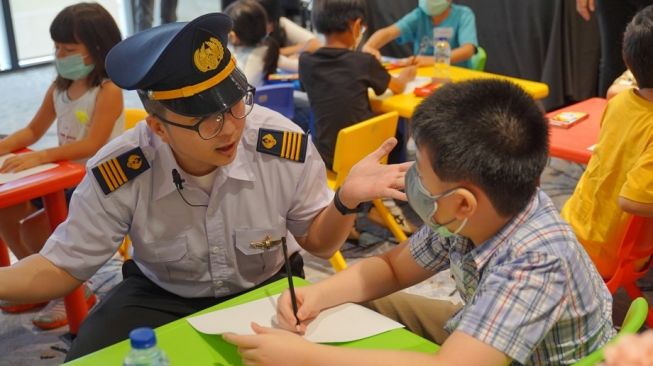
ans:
(467, 205)
(157, 127)
(233, 38)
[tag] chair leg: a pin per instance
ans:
(390, 221)
(338, 261)
(4, 255)
(634, 292)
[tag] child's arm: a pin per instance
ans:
(272, 347)
(380, 38)
(368, 279)
(398, 83)
(636, 208)
(35, 129)
(309, 46)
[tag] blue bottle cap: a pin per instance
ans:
(142, 338)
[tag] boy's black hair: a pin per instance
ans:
(91, 25)
(637, 49)
(333, 16)
(489, 133)
(250, 25)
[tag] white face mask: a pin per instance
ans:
(425, 204)
(433, 7)
(359, 38)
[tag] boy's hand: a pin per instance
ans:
(271, 347)
(369, 179)
(21, 162)
(372, 51)
(307, 309)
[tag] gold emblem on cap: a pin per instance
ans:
(269, 141)
(134, 162)
(208, 55)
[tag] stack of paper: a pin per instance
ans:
(9, 177)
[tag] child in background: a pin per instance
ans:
(256, 53)
(618, 181)
(336, 78)
(88, 108)
(531, 294)
(455, 22)
(292, 38)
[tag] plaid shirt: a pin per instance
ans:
(530, 291)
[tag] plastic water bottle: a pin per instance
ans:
(442, 53)
(144, 351)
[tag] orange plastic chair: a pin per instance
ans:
(132, 117)
(353, 144)
(635, 248)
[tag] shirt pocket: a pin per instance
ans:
(170, 260)
(254, 264)
(162, 250)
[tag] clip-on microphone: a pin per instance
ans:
(179, 185)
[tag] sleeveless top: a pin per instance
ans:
(74, 117)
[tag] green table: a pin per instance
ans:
(182, 343)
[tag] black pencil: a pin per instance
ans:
(291, 286)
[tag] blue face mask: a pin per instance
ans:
(425, 204)
(433, 7)
(72, 67)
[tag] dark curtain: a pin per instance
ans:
(543, 40)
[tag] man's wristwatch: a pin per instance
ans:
(344, 210)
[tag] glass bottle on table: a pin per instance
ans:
(442, 55)
(144, 350)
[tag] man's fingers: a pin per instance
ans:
(384, 149)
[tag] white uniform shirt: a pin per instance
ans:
(194, 251)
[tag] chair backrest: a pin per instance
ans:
(278, 97)
(479, 59)
(635, 318)
(357, 141)
(133, 116)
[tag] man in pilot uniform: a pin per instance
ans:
(205, 189)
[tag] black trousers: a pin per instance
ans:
(139, 302)
(613, 16)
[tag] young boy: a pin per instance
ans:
(531, 294)
(336, 78)
(433, 18)
(618, 181)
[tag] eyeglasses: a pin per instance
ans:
(210, 125)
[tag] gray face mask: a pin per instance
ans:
(426, 205)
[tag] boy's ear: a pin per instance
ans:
(467, 205)
(157, 127)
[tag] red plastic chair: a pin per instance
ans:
(635, 248)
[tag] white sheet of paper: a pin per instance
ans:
(10, 177)
(343, 323)
(410, 87)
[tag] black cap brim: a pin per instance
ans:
(217, 99)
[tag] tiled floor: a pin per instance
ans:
(22, 344)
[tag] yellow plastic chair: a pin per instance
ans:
(635, 318)
(132, 117)
(353, 144)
